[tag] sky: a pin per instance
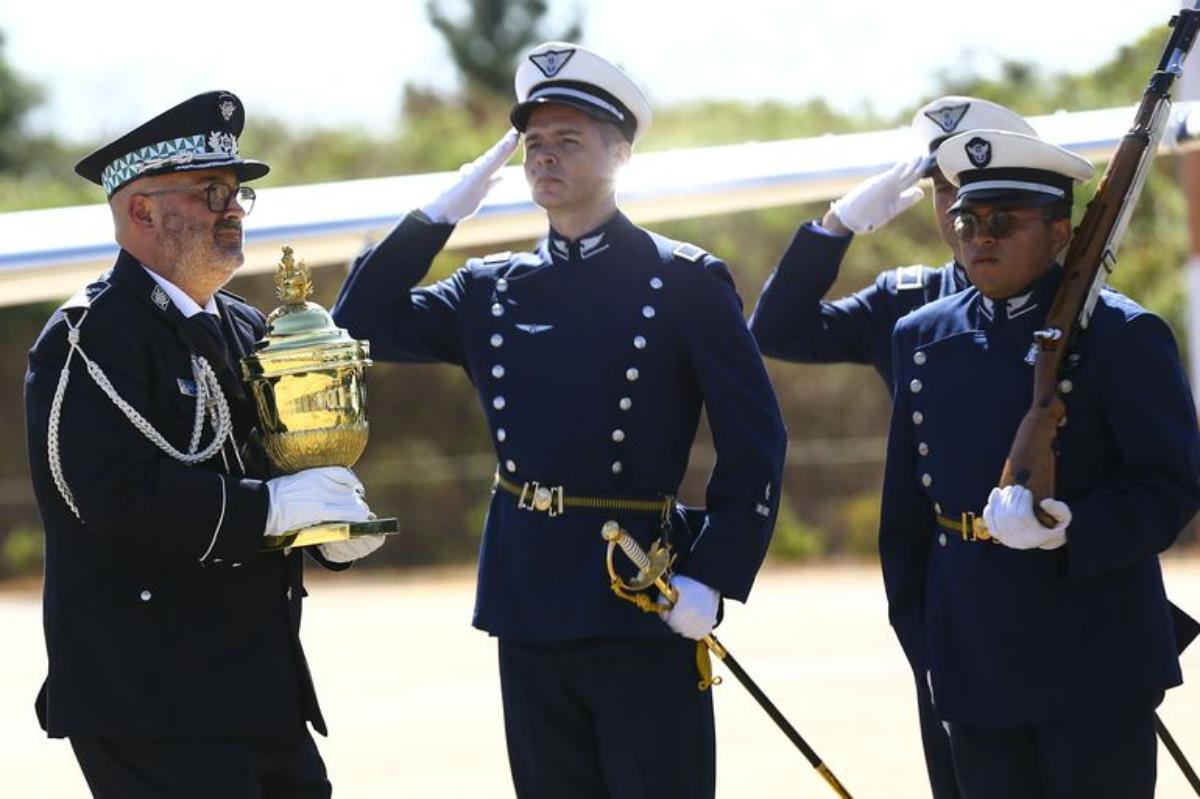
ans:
(106, 66)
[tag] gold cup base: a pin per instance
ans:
(331, 531)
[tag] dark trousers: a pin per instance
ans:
(936, 743)
(1104, 756)
(202, 769)
(607, 718)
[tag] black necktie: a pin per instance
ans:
(212, 327)
(209, 341)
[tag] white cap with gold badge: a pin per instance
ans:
(999, 167)
(569, 74)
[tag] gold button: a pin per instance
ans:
(497, 371)
(639, 342)
(656, 283)
(541, 498)
(501, 434)
(497, 339)
(497, 309)
(919, 358)
(618, 436)
(626, 403)
(915, 386)
(927, 480)
(511, 466)
(498, 403)
(918, 417)
(648, 311)
(631, 374)
(617, 467)
(501, 285)
(923, 448)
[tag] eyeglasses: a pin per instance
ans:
(996, 225)
(218, 195)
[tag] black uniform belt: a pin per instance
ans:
(968, 526)
(554, 500)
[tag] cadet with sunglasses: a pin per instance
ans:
(175, 666)
(792, 323)
(1047, 648)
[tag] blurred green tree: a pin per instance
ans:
(487, 43)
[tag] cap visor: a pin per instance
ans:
(519, 116)
(1006, 198)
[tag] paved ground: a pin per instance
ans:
(411, 695)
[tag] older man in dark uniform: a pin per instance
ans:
(1047, 647)
(592, 356)
(175, 663)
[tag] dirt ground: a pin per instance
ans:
(412, 699)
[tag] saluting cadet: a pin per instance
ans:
(592, 356)
(793, 323)
(175, 663)
(1047, 648)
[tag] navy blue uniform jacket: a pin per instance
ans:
(792, 322)
(592, 360)
(1022, 637)
(145, 639)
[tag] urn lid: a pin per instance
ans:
(299, 329)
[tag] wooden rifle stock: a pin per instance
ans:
(1032, 459)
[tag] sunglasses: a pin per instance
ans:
(996, 225)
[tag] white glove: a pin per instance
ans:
(357, 547)
(880, 199)
(1010, 520)
(475, 180)
(328, 493)
(695, 610)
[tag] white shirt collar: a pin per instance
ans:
(186, 305)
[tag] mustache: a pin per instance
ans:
(227, 224)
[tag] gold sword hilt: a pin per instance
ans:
(654, 569)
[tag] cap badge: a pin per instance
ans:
(979, 151)
(551, 62)
(948, 117)
(226, 107)
(220, 142)
(160, 298)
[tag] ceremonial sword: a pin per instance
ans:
(654, 569)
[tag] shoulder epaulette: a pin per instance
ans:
(689, 252)
(80, 299)
(910, 277)
(497, 257)
(85, 296)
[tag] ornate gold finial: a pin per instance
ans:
(293, 282)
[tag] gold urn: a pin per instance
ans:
(307, 377)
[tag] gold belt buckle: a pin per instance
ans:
(540, 498)
(973, 528)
